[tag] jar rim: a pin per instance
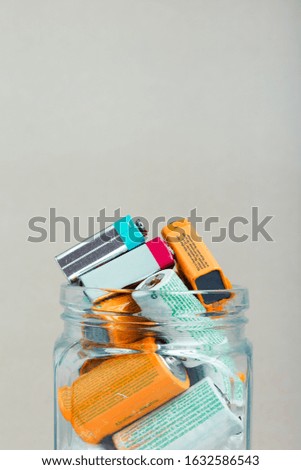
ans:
(74, 297)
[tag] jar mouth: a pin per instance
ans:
(233, 301)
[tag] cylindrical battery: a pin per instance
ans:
(164, 297)
(199, 419)
(123, 331)
(197, 263)
(119, 331)
(119, 391)
(128, 269)
(124, 235)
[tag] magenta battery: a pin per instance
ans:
(127, 269)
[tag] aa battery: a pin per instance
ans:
(164, 297)
(128, 269)
(119, 391)
(196, 262)
(198, 419)
(124, 235)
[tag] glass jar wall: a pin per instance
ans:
(152, 371)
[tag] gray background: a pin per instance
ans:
(157, 107)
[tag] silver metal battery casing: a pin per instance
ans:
(120, 237)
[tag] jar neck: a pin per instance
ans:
(96, 327)
(128, 332)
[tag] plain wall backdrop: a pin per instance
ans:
(156, 107)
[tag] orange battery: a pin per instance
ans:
(64, 402)
(122, 330)
(144, 344)
(119, 391)
(116, 329)
(197, 263)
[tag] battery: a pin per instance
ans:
(122, 329)
(128, 269)
(124, 235)
(196, 262)
(198, 419)
(119, 391)
(164, 297)
(125, 331)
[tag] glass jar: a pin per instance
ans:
(159, 376)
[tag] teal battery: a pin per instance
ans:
(164, 297)
(122, 236)
(198, 419)
(127, 269)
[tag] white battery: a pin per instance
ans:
(127, 269)
(198, 419)
(164, 297)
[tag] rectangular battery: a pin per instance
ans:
(128, 269)
(196, 262)
(119, 391)
(164, 297)
(122, 236)
(198, 419)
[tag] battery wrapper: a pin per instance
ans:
(199, 419)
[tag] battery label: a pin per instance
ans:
(197, 419)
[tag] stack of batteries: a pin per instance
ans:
(142, 397)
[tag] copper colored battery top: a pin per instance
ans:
(119, 391)
(121, 303)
